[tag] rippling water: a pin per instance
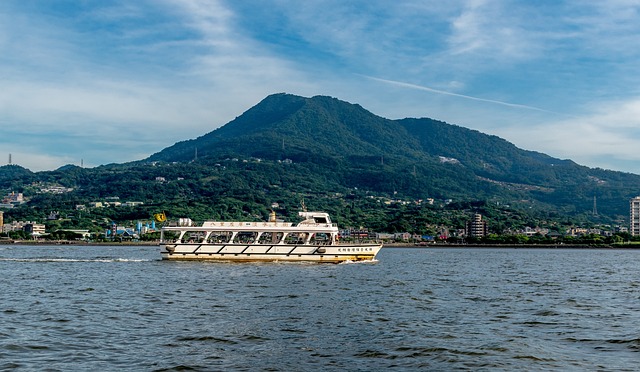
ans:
(120, 308)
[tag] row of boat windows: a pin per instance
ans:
(254, 237)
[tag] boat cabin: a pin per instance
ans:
(315, 217)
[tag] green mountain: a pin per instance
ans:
(15, 176)
(306, 129)
(421, 158)
(362, 168)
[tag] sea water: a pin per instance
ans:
(80, 308)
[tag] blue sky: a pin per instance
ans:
(115, 81)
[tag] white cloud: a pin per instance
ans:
(35, 161)
(606, 138)
(103, 99)
(447, 93)
(74, 108)
(158, 72)
(493, 32)
(238, 68)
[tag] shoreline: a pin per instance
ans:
(385, 245)
(516, 246)
(74, 243)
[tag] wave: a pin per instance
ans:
(55, 259)
(349, 262)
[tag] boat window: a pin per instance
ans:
(295, 238)
(170, 236)
(320, 219)
(193, 237)
(219, 237)
(270, 238)
(246, 237)
(320, 238)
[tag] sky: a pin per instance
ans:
(98, 82)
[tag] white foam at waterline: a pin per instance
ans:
(347, 262)
(45, 259)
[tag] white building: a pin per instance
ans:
(35, 229)
(132, 204)
(634, 216)
(476, 227)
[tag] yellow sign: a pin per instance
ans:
(160, 217)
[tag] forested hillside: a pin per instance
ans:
(390, 175)
(419, 158)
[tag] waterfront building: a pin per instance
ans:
(35, 229)
(84, 233)
(477, 227)
(634, 216)
(20, 226)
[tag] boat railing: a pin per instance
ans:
(245, 224)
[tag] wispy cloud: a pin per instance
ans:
(157, 72)
(140, 86)
(438, 91)
(607, 137)
(481, 26)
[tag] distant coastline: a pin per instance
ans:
(516, 246)
(386, 245)
(72, 242)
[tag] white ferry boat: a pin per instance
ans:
(314, 239)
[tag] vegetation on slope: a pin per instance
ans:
(364, 169)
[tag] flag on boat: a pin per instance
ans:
(160, 217)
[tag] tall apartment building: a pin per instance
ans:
(634, 216)
(476, 227)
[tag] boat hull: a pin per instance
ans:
(284, 252)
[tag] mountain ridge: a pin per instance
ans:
(309, 119)
(325, 129)
(287, 146)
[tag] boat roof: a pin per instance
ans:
(313, 222)
(317, 217)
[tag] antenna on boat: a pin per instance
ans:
(304, 207)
